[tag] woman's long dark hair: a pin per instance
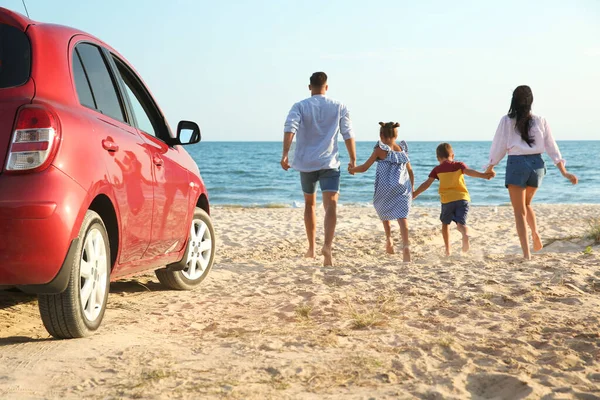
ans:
(520, 109)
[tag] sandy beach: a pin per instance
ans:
(270, 324)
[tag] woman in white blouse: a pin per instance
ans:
(525, 137)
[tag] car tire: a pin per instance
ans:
(78, 311)
(198, 258)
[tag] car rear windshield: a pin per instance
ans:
(15, 57)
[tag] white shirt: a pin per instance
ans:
(316, 122)
(508, 140)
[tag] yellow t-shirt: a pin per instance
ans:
(452, 181)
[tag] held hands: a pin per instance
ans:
(489, 175)
(352, 167)
(415, 193)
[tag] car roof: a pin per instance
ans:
(62, 34)
(58, 32)
(14, 18)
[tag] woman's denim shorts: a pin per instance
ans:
(525, 170)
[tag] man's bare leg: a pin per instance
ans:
(310, 222)
(405, 242)
(531, 220)
(446, 236)
(389, 242)
(330, 200)
(464, 230)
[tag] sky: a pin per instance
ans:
(444, 70)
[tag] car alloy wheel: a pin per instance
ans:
(78, 311)
(200, 250)
(198, 258)
(92, 275)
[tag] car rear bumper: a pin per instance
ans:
(38, 213)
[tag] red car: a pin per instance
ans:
(93, 184)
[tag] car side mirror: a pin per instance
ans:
(188, 132)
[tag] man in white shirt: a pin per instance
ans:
(316, 123)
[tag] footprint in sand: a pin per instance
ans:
(497, 386)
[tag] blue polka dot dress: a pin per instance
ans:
(393, 191)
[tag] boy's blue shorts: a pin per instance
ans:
(525, 170)
(455, 211)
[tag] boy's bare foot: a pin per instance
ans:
(327, 258)
(465, 243)
(389, 246)
(537, 241)
(310, 253)
(406, 254)
(448, 253)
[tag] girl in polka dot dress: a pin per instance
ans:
(394, 183)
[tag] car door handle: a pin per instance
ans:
(109, 145)
(158, 161)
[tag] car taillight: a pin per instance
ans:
(35, 140)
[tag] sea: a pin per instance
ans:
(248, 174)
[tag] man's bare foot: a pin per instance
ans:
(406, 254)
(389, 246)
(448, 253)
(537, 241)
(310, 253)
(327, 258)
(465, 243)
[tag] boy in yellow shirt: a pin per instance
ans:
(453, 193)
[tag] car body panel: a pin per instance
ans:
(36, 232)
(171, 200)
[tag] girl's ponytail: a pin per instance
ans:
(387, 129)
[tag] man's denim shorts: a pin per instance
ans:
(329, 180)
(526, 170)
(455, 211)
